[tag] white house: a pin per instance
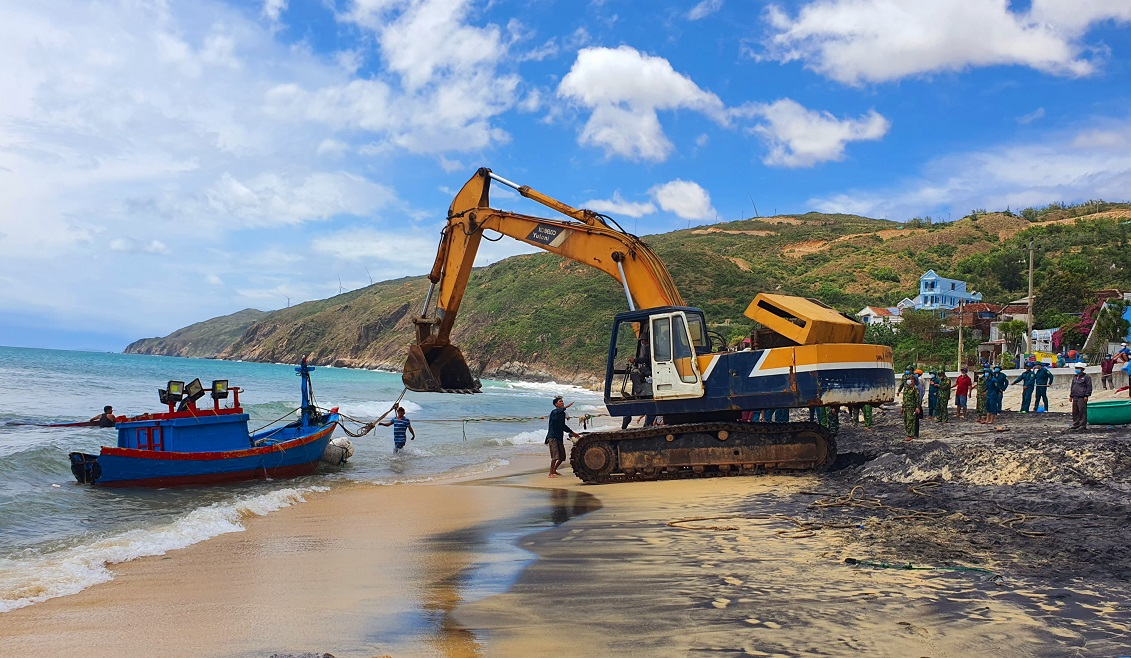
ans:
(879, 315)
(939, 293)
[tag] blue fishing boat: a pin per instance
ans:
(190, 445)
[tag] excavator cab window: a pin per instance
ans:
(631, 364)
(681, 349)
(698, 333)
(675, 373)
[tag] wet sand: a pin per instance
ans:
(516, 564)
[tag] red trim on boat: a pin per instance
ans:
(217, 478)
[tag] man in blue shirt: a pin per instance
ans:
(555, 436)
(1041, 382)
(401, 425)
(1026, 380)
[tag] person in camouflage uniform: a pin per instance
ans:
(982, 395)
(867, 410)
(830, 418)
(911, 401)
(942, 412)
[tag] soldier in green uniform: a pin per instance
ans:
(982, 395)
(867, 410)
(830, 418)
(942, 413)
(903, 380)
(911, 402)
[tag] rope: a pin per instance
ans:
(364, 426)
(274, 421)
(861, 502)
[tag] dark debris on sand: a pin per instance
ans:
(1026, 498)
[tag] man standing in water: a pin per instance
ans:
(401, 425)
(106, 418)
(555, 436)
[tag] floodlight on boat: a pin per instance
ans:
(194, 390)
(219, 389)
(174, 391)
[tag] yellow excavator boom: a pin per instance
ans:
(583, 236)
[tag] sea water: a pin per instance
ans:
(58, 537)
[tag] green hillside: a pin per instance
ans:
(203, 339)
(550, 316)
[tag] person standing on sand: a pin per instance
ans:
(982, 392)
(1026, 381)
(401, 425)
(1041, 382)
(1106, 366)
(943, 405)
(932, 394)
(962, 387)
(995, 389)
(1079, 392)
(912, 408)
(903, 380)
(555, 436)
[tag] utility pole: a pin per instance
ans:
(1029, 334)
(961, 326)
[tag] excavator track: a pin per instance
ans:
(701, 450)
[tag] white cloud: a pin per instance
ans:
(625, 88)
(332, 147)
(147, 128)
(617, 206)
(274, 200)
(859, 41)
(800, 137)
(1035, 115)
(704, 9)
(131, 246)
(684, 198)
(369, 245)
(273, 9)
(1074, 166)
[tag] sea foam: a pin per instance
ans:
(26, 581)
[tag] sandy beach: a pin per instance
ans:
(516, 564)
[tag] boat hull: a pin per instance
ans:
(131, 467)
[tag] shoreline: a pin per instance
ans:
(511, 563)
(360, 562)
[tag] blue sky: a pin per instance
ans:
(166, 162)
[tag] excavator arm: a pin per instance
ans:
(434, 364)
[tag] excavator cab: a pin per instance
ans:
(652, 355)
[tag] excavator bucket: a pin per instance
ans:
(438, 369)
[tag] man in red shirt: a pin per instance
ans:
(961, 391)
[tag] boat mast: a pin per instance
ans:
(307, 409)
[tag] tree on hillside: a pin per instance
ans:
(924, 326)
(1014, 334)
(880, 334)
(1110, 325)
(1063, 291)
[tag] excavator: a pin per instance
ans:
(663, 360)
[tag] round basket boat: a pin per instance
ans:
(1109, 412)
